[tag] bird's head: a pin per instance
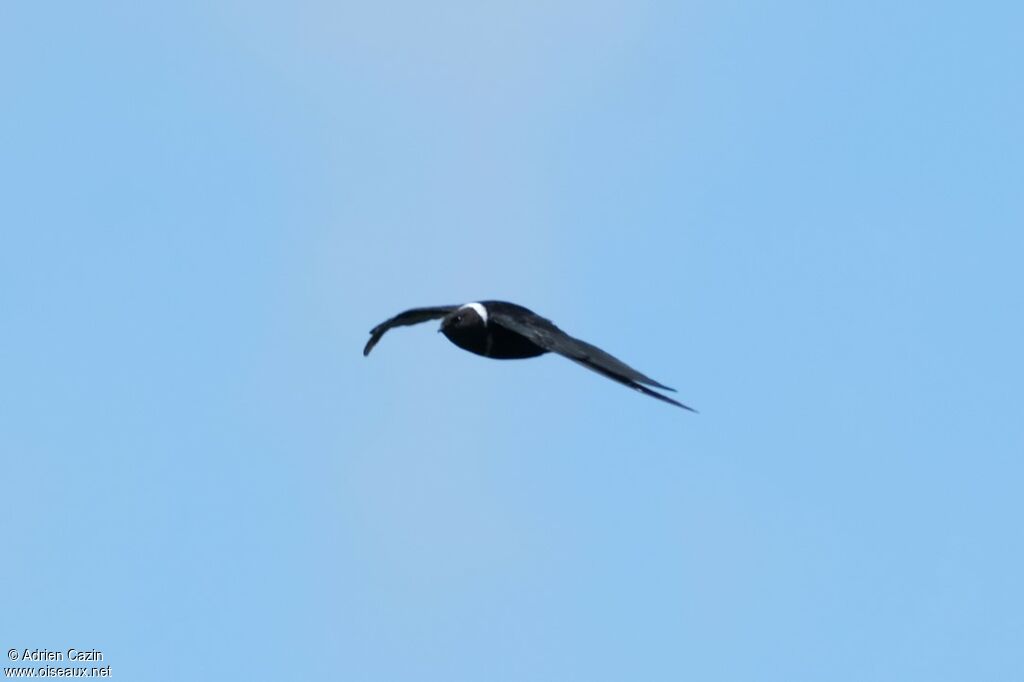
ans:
(467, 317)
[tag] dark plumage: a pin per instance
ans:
(504, 331)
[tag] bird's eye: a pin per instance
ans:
(458, 318)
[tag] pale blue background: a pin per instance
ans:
(805, 216)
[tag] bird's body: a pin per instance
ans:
(468, 329)
(506, 331)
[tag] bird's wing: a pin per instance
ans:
(545, 334)
(413, 316)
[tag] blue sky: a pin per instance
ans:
(804, 216)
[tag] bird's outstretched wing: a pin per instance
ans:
(414, 316)
(545, 334)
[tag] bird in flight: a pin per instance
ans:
(505, 331)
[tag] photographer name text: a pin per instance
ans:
(71, 654)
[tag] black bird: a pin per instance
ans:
(505, 331)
